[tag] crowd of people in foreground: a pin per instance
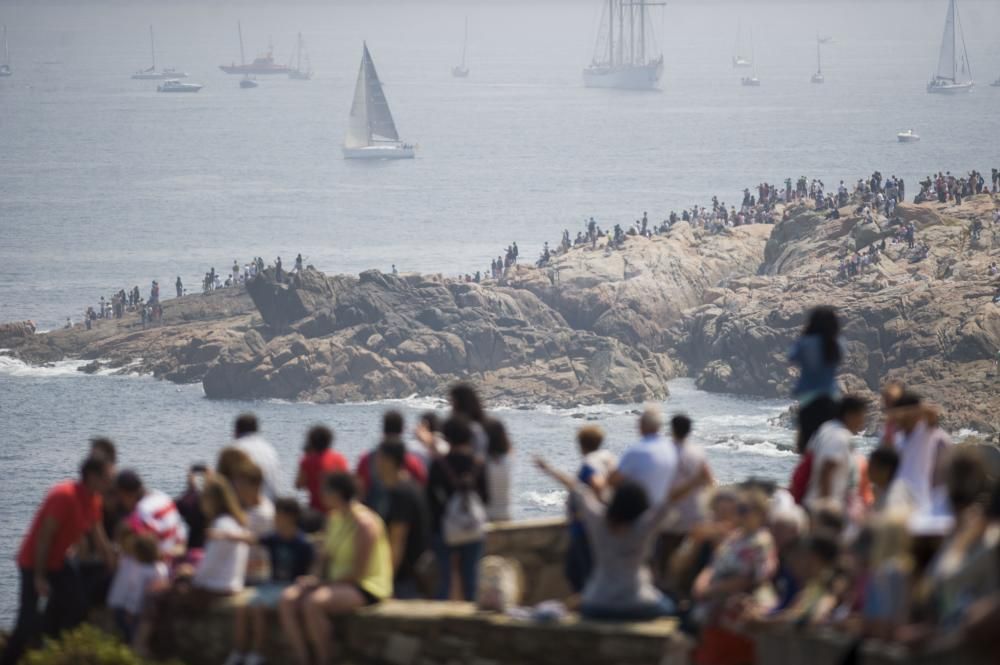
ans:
(902, 545)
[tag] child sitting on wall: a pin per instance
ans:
(139, 570)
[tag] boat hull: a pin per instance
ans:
(249, 69)
(624, 77)
(187, 87)
(380, 152)
(949, 88)
(818, 78)
(459, 72)
(904, 138)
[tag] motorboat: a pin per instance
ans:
(371, 131)
(248, 83)
(153, 74)
(949, 78)
(750, 81)
(909, 136)
(263, 64)
(624, 55)
(176, 85)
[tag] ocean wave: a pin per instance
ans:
(14, 367)
(756, 446)
(547, 499)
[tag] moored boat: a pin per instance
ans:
(909, 136)
(262, 64)
(153, 74)
(5, 68)
(623, 59)
(949, 78)
(176, 85)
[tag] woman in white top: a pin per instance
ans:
(499, 468)
(223, 567)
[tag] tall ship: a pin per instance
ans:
(953, 71)
(624, 56)
(371, 131)
(301, 72)
(5, 68)
(262, 64)
(152, 73)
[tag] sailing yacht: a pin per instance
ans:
(151, 74)
(739, 60)
(623, 61)
(5, 69)
(818, 76)
(752, 80)
(371, 132)
(461, 71)
(946, 78)
(262, 64)
(300, 74)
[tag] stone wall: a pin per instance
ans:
(539, 546)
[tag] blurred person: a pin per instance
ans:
(834, 476)
(595, 471)
(372, 494)
(357, 572)
(499, 467)
(817, 353)
(887, 594)
(153, 512)
(50, 594)
(891, 495)
(248, 438)
(318, 461)
(407, 518)
(465, 402)
(652, 462)
(259, 512)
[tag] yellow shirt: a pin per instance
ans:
(341, 531)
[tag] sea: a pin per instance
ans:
(106, 184)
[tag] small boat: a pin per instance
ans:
(371, 132)
(300, 74)
(946, 79)
(818, 76)
(751, 81)
(151, 73)
(909, 136)
(461, 71)
(740, 60)
(996, 84)
(5, 69)
(248, 82)
(263, 64)
(175, 85)
(621, 60)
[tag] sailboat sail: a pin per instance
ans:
(370, 119)
(946, 61)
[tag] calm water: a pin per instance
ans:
(104, 183)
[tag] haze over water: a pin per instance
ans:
(105, 184)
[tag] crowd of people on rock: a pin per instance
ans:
(901, 545)
(122, 302)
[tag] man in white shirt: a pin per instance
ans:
(263, 454)
(692, 478)
(918, 443)
(652, 462)
(833, 469)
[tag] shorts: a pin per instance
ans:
(267, 595)
(370, 599)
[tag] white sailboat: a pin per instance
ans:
(623, 55)
(300, 74)
(5, 69)
(818, 76)
(461, 71)
(948, 78)
(371, 132)
(739, 60)
(752, 80)
(151, 74)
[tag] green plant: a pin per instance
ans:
(85, 645)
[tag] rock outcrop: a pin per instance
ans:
(930, 323)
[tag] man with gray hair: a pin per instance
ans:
(652, 462)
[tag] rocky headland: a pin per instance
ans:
(594, 325)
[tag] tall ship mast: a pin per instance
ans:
(818, 76)
(954, 73)
(626, 55)
(300, 73)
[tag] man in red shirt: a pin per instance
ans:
(318, 461)
(50, 589)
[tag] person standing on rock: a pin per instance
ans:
(180, 286)
(817, 354)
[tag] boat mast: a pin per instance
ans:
(152, 48)
(465, 41)
(239, 28)
(611, 33)
(966, 65)
(298, 59)
(819, 64)
(642, 32)
(954, 60)
(6, 50)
